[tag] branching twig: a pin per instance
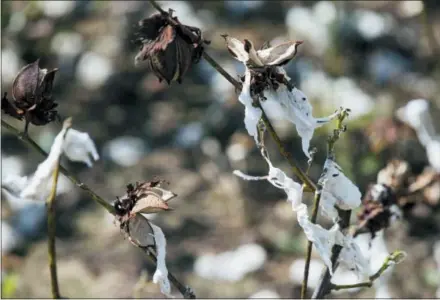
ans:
(316, 201)
(182, 289)
(393, 258)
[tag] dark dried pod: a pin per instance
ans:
(32, 96)
(168, 49)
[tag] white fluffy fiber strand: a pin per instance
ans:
(161, 274)
(37, 186)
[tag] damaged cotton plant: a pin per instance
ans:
(268, 88)
(131, 212)
(168, 47)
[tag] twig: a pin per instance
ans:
(393, 258)
(182, 289)
(324, 285)
(311, 186)
(316, 201)
(51, 229)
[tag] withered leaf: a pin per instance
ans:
(140, 231)
(150, 203)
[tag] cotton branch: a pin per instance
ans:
(313, 219)
(394, 258)
(184, 290)
(310, 185)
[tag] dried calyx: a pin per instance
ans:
(168, 49)
(32, 96)
(264, 64)
(146, 197)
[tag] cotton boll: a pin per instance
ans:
(296, 272)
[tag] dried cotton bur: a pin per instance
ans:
(266, 83)
(145, 198)
(142, 198)
(168, 49)
(32, 96)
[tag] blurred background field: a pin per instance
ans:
(369, 56)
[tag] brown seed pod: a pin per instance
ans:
(168, 49)
(142, 198)
(32, 96)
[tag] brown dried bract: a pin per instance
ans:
(168, 49)
(32, 96)
(146, 197)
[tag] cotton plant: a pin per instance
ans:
(266, 87)
(266, 80)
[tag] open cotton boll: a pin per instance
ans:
(251, 114)
(337, 190)
(36, 188)
(78, 146)
(161, 274)
(298, 110)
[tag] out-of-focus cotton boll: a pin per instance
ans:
(371, 24)
(67, 43)
(410, 9)
(93, 70)
(296, 271)
(231, 265)
(338, 92)
(184, 11)
(56, 8)
(386, 65)
(189, 135)
(304, 25)
(125, 151)
(10, 65)
(325, 12)
(265, 294)
(11, 239)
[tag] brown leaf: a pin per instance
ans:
(148, 204)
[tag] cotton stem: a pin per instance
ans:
(313, 219)
(51, 229)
